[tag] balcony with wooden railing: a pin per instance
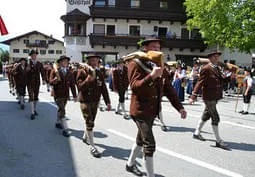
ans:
(40, 45)
(129, 40)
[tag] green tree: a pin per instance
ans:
(228, 23)
(4, 55)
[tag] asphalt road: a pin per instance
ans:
(34, 148)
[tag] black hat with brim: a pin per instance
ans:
(213, 53)
(92, 55)
(147, 41)
(247, 69)
(63, 57)
(22, 59)
(33, 52)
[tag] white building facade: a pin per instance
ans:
(49, 49)
(112, 28)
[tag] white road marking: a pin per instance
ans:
(183, 157)
(238, 125)
(227, 122)
(52, 104)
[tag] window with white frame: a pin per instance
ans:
(184, 33)
(100, 3)
(195, 34)
(110, 29)
(15, 50)
(43, 52)
(58, 51)
(25, 50)
(134, 30)
(26, 41)
(163, 4)
(111, 3)
(76, 29)
(135, 3)
(50, 51)
(99, 29)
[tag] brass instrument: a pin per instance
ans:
(88, 68)
(55, 68)
(153, 56)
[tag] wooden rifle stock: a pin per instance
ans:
(88, 69)
(55, 68)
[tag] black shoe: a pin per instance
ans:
(65, 133)
(59, 126)
(198, 137)
(85, 141)
(164, 128)
(222, 145)
(241, 112)
(101, 109)
(94, 152)
(244, 113)
(126, 116)
(32, 117)
(36, 113)
(117, 112)
(133, 169)
(22, 106)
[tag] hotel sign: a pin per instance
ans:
(79, 2)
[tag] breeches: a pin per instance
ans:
(247, 99)
(210, 111)
(61, 103)
(121, 96)
(89, 112)
(33, 92)
(21, 90)
(145, 136)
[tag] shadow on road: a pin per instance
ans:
(32, 147)
(115, 152)
(180, 129)
(79, 133)
(241, 146)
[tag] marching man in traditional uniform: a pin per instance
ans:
(120, 85)
(62, 80)
(91, 85)
(145, 78)
(247, 91)
(211, 81)
(19, 71)
(34, 70)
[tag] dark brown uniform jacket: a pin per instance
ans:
(33, 74)
(210, 81)
(47, 71)
(146, 93)
(20, 75)
(120, 79)
(90, 90)
(61, 88)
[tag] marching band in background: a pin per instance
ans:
(149, 80)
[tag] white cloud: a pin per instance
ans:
(22, 16)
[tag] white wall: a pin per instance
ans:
(19, 44)
(82, 5)
(242, 59)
